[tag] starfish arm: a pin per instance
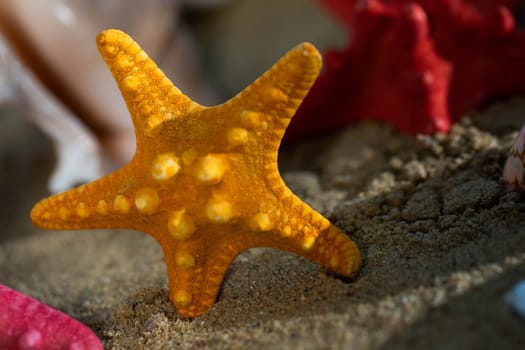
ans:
(144, 87)
(196, 268)
(101, 204)
(334, 250)
(195, 273)
(269, 103)
(307, 233)
(316, 239)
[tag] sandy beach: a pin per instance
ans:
(442, 240)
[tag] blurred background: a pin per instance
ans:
(53, 78)
(60, 106)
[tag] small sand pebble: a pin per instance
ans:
(513, 171)
(27, 324)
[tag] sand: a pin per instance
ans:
(442, 240)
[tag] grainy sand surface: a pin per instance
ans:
(442, 241)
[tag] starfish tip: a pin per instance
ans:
(109, 36)
(37, 213)
(111, 41)
(310, 52)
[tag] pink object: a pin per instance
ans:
(27, 324)
(513, 172)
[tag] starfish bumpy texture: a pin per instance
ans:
(204, 181)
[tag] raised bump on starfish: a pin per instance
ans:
(204, 180)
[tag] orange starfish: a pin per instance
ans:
(204, 180)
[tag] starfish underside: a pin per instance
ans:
(204, 180)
